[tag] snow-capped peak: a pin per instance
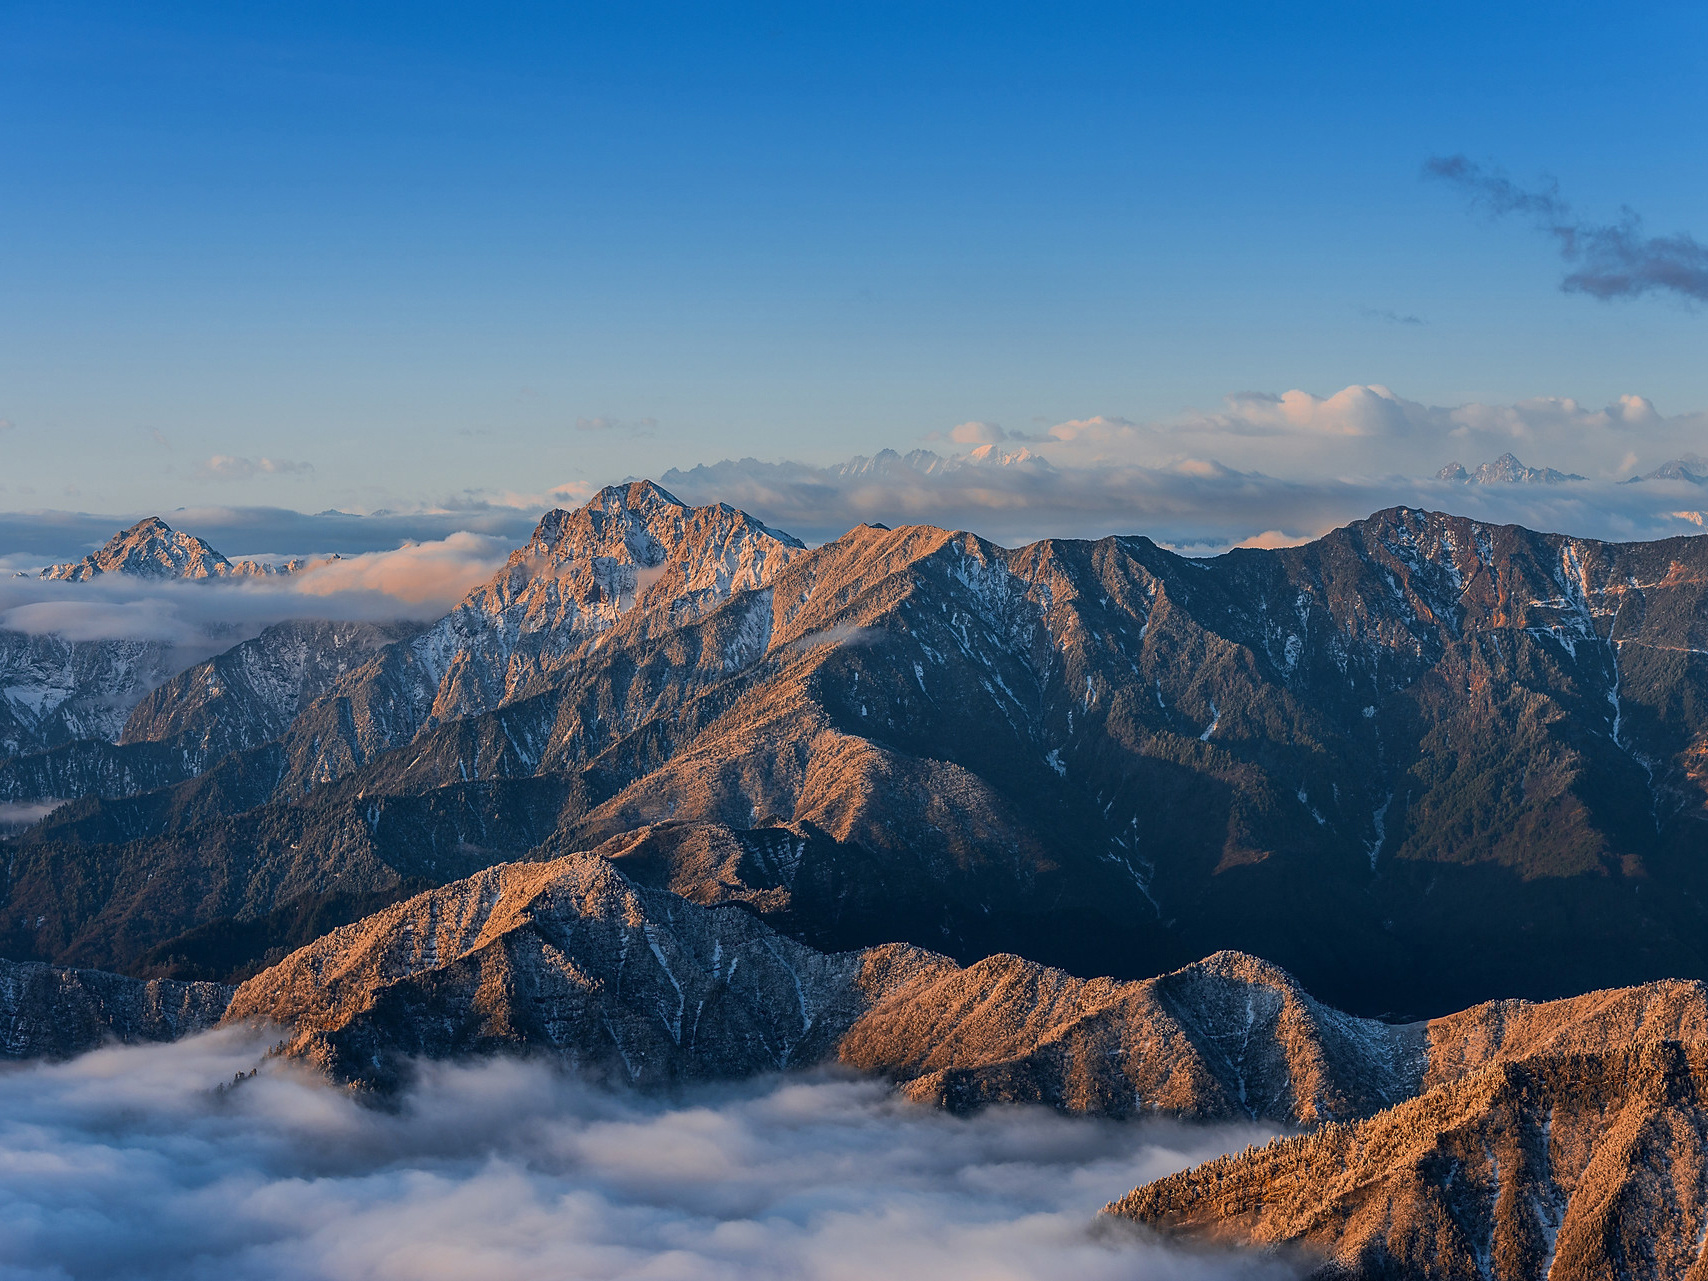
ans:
(148, 549)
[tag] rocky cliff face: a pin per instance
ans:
(47, 1011)
(1566, 1166)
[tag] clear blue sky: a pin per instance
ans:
(414, 245)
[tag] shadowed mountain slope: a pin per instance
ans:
(47, 1011)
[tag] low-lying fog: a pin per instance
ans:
(125, 1163)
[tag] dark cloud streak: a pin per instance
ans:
(1611, 260)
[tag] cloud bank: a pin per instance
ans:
(1609, 260)
(1277, 466)
(201, 618)
(1196, 505)
(1260, 468)
(124, 1164)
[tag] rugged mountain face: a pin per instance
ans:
(236, 701)
(1427, 738)
(575, 958)
(1564, 1166)
(50, 1012)
(153, 549)
(634, 553)
(1421, 762)
(55, 691)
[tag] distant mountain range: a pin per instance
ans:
(1419, 737)
(1692, 468)
(1505, 470)
(675, 797)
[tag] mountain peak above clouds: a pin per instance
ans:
(634, 555)
(1505, 470)
(153, 549)
(1691, 467)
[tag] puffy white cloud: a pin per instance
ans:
(125, 1163)
(977, 433)
(434, 574)
(1371, 411)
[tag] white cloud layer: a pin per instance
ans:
(124, 1164)
(1281, 467)
(202, 618)
(32, 539)
(1194, 504)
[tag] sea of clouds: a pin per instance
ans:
(128, 1162)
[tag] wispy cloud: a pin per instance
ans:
(228, 467)
(1609, 260)
(125, 1164)
(619, 426)
(1389, 316)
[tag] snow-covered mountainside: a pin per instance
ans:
(235, 701)
(56, 691)
(153, 549)
(633, 552)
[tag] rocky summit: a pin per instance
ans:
(153, 549)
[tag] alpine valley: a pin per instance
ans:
(1397, 839)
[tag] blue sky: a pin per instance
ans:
(410, 252)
